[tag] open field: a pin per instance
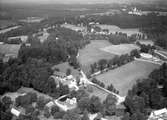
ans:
(113, 29)
(92, 53)
(120, 49)
(6, 23)
(64, 66)
(9, 49)
(73, 27)
(124, 77)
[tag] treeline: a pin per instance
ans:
(162, 40)
(116, 39)
(146, 48)
(26, 29)
(117, 61)
(93, 104)
(61, 45)
(101, 84)
(130, 21)
(33, 73)
(147, 95)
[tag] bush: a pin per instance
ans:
(59, 115)
(94, 80)
(54, 110)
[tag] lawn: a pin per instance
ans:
(64, 66)
(92, 53)
(124, 77)
(120, 49)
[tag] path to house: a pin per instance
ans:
(119, 98)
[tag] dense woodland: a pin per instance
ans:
(53, 50)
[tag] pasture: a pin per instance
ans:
(120, 49)
(92, 53)
(113, 29)
(124, 77)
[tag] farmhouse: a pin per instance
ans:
(66, 104)
(70, 81)
(15, 112)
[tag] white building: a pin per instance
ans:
(15, 112)
(158, 115)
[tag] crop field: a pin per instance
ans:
(120, 49)
(114, 28)
(92, 53)
(124, 77)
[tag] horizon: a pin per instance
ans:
(82, 1)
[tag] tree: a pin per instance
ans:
(54, 109)
(126, 117)
(110, 105)
(68, 72)
(135, 53)
(59, 115)
(29, 109)
(41, 102)
(95, 105)
(94, 80)
(46, 113)
(71, 115)
(138, 116)
(112, 89)
(79, 94)
(134, 104)
(85, 115)
(102, 64)
(84, 103)
(6, 101)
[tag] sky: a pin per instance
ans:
(78, 1)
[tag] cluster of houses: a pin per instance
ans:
(135, 11)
